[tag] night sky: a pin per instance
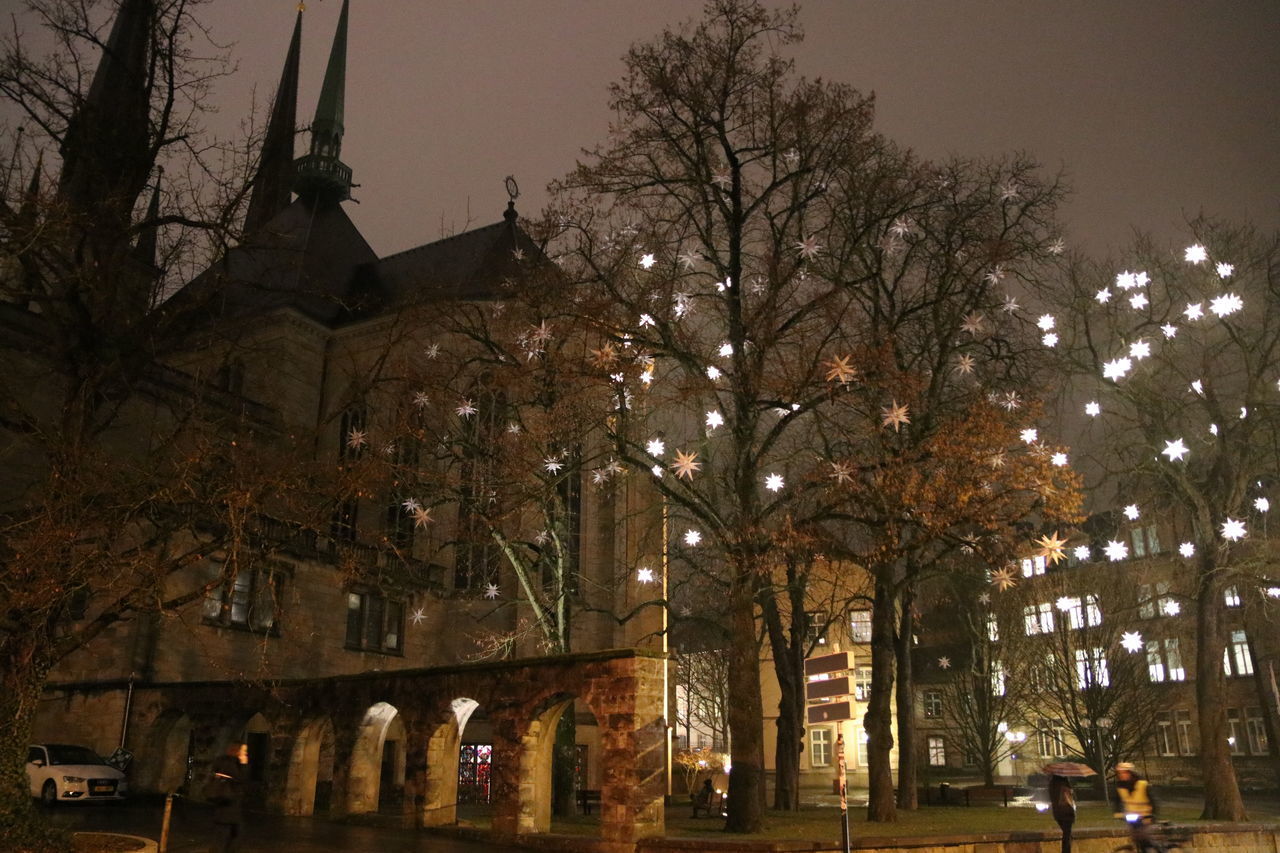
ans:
(1155, 110)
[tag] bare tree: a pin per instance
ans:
(1178, 352)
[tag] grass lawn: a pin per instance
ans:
(823, 823)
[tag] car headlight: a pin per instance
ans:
(73, 780)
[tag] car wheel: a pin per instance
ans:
(49, 793)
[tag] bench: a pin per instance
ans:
(586, 797)
(712, 805)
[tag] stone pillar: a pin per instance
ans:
(633, 738)
(417, 735)
(512, 784)
(440, 776)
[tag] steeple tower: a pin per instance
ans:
(106, 151)
(321, 175)
(273, 183)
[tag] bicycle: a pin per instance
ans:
(1162, 836)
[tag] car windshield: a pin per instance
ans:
(60, 754)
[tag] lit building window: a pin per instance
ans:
(937, 752)
(1165, 744)
(1257, 731)
(374, 623)
(1236, 737)
(1032, 566)
(1182, 720)
(820, 747)
(249, 600)
(1231, 596)
(1091, 668)
(932, 704)
(1236, 658)
(860, 625)
(993, 628)
(1038, 618)
(1164, 660)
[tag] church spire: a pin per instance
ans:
(321, 173)
(274, 180)
(106, 156)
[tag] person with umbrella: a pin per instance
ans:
(1062, 798)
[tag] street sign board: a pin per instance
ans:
(830, 712)
(828, 663)
(827, 688)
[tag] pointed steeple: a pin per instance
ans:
(106, 153)
(273, 183)
(144, 251)
(322, 174)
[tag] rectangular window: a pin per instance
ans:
(1165, 605)
(250, 600)
(1257, 730)
(1182, 720)
(1052, 738)
(1139, 540)
(1146, 602)
(860, 625)
(1153, 540)
(937, 752)
(1091, 668)
(1032, 566)
(1241, 662)
(1092, 612)
(1165, 743)
(860, 740)
(1038, 618)
(816, 622)
(1155, 662)
(820, 747)
(997, 678)
(862, 683)
(932, 704)
(1236, 737)
(993, 628)
(374, 623)
(1231, 596)
(1173, 660)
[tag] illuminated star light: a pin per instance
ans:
(1092, 409)
(1052, 547)
(713, 373)
(656, 447)
(1126, 280)
(773, 482)
(432, 351)
(417, 616)
(1175, 449)
(1171, 608)
(645, 575)
(809, 247)
(552, 465)
(944, 662)
(1082, 553)
(1011, 401)
(1116, 369)
(1132, 641)
(1225, 270)
(1050, 339)
(1064, 604)
(1197, 386)
(894, 416)
(1003, 578)
(466, 410)
(972, 323)
(841, 472)
(839, 369)
(688, 260)
(1029, 435)
(686, 464)
(1010, 305)
(646, 320)
(1262, 505)
(1138, 301)
(1193, 311)
(357, 439)
(410, 504)
(1226, 305)
(1116, 551)
(657, 471)
(1138, 350)
(491, 591)
(421, 517)
(1186, 549)
(1233, 530)
(1103, 296)
(1273, 591)
(1059, 460)
(1131, 512)
(1169, 330)
(714, 419)
(726, 350)
(1196, 254)
(421, 399)
(1058, 246)
(964, 364)
(692, 537)
(994, 275)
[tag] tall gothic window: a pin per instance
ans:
(477, 557)
(352, 440)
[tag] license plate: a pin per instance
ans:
(102, 789)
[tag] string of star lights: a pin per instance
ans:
(1147, 324)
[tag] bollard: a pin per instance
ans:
(164, 825)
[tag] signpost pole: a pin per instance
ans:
(842, 781)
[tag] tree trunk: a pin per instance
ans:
(21, 826)
(746, 711)
(1221, 791)
(563, 764)
(908, 765)
(788, 666)
(878, 724)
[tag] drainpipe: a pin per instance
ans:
(128, 703)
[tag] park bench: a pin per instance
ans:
(586, 798)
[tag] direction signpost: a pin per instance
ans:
(828, 696)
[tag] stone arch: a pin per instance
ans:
(537, 751)
(169, 767)
(309, 779)
(440, 806)
(377, 759)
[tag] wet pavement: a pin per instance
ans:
(191, 831)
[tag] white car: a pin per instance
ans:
(60, 773)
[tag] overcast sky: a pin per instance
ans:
(1155, 109)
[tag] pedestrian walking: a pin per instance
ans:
(226, 791)
(1062, 801)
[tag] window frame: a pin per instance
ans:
(389, 609)
(936, 750)
(220, 603)
(820, 741)
(931, 703)
(856, 634)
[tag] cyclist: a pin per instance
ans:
(1134, 803)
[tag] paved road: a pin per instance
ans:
(189, 831)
